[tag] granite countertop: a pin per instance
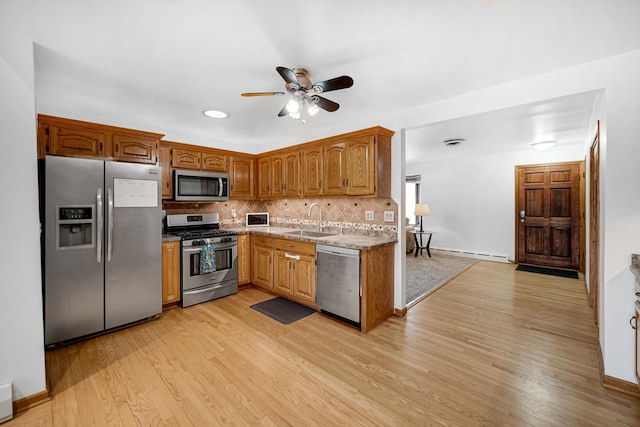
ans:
(635, 266)
(353, 241)
(169, 237)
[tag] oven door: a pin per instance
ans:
(226, 260)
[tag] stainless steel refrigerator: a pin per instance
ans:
(102, 246)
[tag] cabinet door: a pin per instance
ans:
(277, 175)
(264, 177)
(241, 176)
(291, 174)
(312, 172)
(164, 159)
(214, 162)
(185, 159)
(361, 164)
(282, 272)
(244, 256)
(261, 260)
(304, 278)
(71, 141)
(334, 179)
(170, 272)
(131, 148)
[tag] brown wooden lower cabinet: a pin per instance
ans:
(294, 272)
(262, 261)
(170, 273)
(288, 268)
(376, 276)
(244, 259)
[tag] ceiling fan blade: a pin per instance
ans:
(341, 82)
(325, 104)
(288, 75)
(261, 93)
(284, 112)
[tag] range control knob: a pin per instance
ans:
(225, 239)
(197, 243)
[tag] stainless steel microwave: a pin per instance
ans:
(196, 186)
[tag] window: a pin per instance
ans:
(412, 191)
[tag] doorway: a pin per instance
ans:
(548, 206)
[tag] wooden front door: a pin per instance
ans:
(594, 223)
(548, 215)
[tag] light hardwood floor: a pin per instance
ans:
(492, 347)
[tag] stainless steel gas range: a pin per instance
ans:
(209, 261)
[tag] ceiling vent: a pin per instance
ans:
(453, 142)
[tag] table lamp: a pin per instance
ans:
(421, 209)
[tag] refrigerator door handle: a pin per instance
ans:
(110, 224)
(100, 226)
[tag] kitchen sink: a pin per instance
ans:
(310, 233)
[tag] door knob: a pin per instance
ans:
(522, 215)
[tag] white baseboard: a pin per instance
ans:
(484, 257)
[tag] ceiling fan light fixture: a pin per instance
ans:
(215, 113)
(543, 145)
(293, 106)
(313, 109)
(295, 115)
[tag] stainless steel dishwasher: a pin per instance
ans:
(338, 288)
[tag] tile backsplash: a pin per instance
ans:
(340, 213)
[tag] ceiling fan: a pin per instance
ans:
(305, 99)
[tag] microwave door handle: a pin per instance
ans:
(220, 187)
(99, 226)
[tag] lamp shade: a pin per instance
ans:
(421, 209)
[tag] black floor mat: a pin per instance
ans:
(283, 310)
(546, 270)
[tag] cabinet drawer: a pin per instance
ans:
(263, 241)
(295, 246)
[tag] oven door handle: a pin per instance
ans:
(216, 247)
(200, 291)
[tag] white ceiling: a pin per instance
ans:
(156, 64)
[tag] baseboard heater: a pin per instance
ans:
(476, 255)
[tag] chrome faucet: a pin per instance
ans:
(320, 210)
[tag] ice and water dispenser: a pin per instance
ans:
(75, 227)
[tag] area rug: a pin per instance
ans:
(425, 275)
(283, 310)
(546, 270)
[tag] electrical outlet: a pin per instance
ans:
(368, 215)
(233, 213)
(287, 212)
(388, 216)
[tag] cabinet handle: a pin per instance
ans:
(288, 255)
(631, 322)
(117, 147)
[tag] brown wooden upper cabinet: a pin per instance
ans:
(66, 137)
(164, 160)
(209, 160)
(354, 164)
(312, 164)
(242, 177)
(133, 148)
(264, 177)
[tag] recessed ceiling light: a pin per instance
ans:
(216, 114)
(543, 145)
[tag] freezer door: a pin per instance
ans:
(73, 276)
(133, 243)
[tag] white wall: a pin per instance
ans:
(21, 328)
(472, 200)
(620, 175)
